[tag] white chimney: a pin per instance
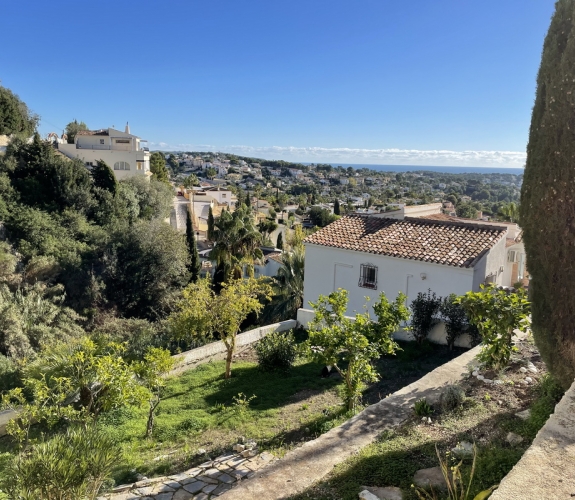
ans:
(127, 128)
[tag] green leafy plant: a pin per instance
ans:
(496, 312)
(276, 352)
(456, 489)
(451, 398)
(423, 311)
(422, 408)
(337, 340)
(70, 466)
(456, 321)
(242, 402)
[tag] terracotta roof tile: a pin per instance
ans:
(442, 242)
(92, 132)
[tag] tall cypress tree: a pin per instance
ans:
(104, 177)
(195, 264)
(336, 208)
(210, 225)
(547, 213)
(280, 242)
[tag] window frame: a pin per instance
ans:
(366, 280)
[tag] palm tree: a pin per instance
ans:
(237, 244)
(288, 287)
(509, 212)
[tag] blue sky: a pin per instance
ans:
(442, 82)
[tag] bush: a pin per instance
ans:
(423, 309)
(451, 398)
(276, 352)
(70, 466)
(422, 408)
(456, 321)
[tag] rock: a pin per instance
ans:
(529, 380)
(122, 487)
(249, 453)
(487, 381)
(480, 377)
(140, 477)
(424, 478)
(513, 438)
(475, 373)
(195, 487)
(201, 451)
(241, 439)
(366, 495)
(239, 448)
(386, 493)
(463, 449)
(498, 382)
(524, 415)
(523, 369)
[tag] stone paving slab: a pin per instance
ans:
(209, 480)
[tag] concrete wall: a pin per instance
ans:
(437, 335)
(327, 269)
(201, 354)
(547, 469)
(493, 263)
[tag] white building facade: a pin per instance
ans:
(121, 151)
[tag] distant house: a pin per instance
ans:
(367, 255)
(122, 151)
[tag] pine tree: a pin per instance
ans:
(104, 177)
(280, 242)
(336, 209)
(548, 198)
(210, 225)
(195, 264)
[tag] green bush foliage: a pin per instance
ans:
(276, 352)
(456, 321)
(496, 312)
(69, 466)
(451, 398)
(424, 309)
(422, 408)
(547, 198)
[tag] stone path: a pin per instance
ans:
(208, 480)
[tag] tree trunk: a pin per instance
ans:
(150, 424)
(231, 347)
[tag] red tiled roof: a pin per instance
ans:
(442, 242)
(440, 217)
(276, 256)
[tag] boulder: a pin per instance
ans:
(424, 478)
(513, 439)
(463, 449)
(524, 415)
(384, 493)
(366, 495)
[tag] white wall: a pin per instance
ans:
(327, 269)
(519, 250)
(492, 263)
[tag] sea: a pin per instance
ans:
(430, 168)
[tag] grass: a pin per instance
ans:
(398, 454)
(201, 410)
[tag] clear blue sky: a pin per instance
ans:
(300, 79)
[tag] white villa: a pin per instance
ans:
(122, 151)
(367, 255)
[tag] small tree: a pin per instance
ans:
(211, 223)
(211, 172)
(335, 339)
(423, 310)
(152, 371)
(158, 167)
(496, 312)
(104, 177)
(203, 313)
(280, 242)
(195, 264)
(336, 208)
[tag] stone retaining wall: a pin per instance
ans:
(547, 469)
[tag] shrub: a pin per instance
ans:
(276, 352)
(451, 398)
(456, 321)
(496, 312)
(422, 408)
(70, 466)
(423, 310)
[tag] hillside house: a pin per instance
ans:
(122, 151)
(367, 255)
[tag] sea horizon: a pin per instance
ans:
(429, 168)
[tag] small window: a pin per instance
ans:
(140, 165)
(368, 276)
(101, 141)
(491, 279)
(511, 256)
(121, 165)
(122, 141)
